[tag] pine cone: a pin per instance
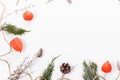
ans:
(65, 68)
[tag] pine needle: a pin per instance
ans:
(90, 70)
(12, 29)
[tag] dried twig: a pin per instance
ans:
(37, 78)
(7, 65)
(49, 1)
(1, 17)
(118, 76)
(4, 8)
(22, 69)
(17, 2)
(29, 76)
(16, 11)
(7, 43)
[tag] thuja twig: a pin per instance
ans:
(1, 17)
(7, 65)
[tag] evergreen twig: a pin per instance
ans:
(90, 70)
(48, 72)
(12, 29)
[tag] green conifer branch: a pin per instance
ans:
(90, 70)
(12, 29)
(48, 71)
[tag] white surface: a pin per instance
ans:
(84, 30)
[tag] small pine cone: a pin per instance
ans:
(65, 68)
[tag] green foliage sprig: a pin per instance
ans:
(12, 29)
(90, 70)
(48, 72)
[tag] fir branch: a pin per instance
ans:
(48, 72)
(12, 29)
(90, 70)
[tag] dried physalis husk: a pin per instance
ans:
(118, 65)
(39, 53)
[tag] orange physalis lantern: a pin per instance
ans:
(16, 44)
(106, 67)
(27, 15)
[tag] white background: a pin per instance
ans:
(85, 30)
